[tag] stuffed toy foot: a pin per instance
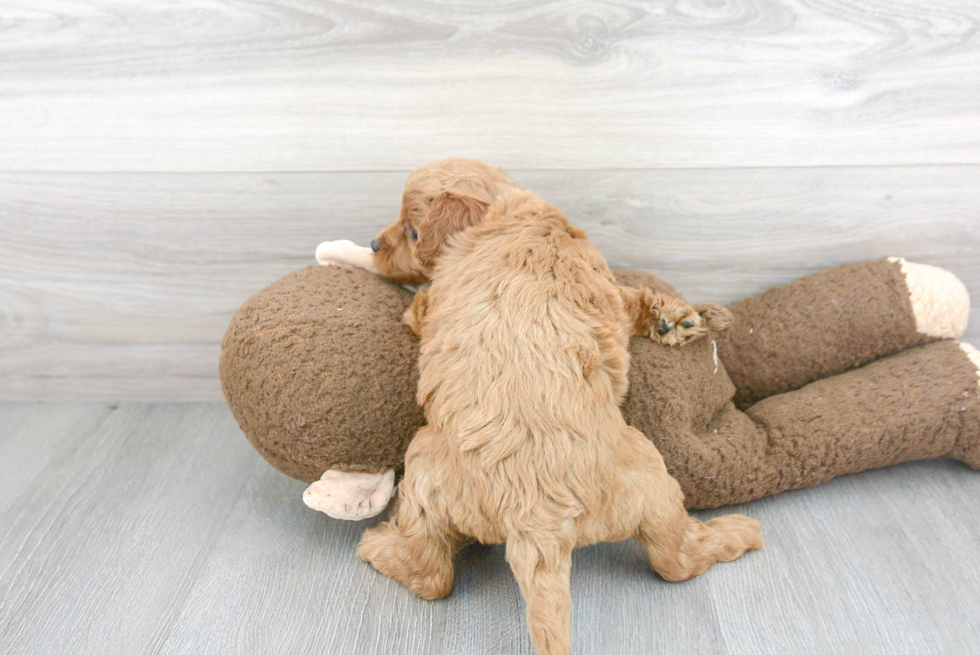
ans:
(939, 301)
(351, 496)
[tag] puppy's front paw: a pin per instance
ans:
(675, 323)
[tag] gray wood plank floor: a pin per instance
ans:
(156, 528)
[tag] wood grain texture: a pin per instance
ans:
(156, 529)
(280, 564)
(117, 523)
(31, 436)
(304, 85)
(163, 161)
(120, 286)
(834, 557)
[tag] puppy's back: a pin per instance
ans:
(524, 358)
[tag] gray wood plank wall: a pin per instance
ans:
(161, 162)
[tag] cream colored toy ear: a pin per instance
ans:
(351, 496)
(345, 253)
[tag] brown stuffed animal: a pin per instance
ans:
(848, 369)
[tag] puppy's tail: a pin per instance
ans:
(542, 565)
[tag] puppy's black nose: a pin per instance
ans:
(664, 327)
(375, 246)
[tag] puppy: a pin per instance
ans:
(524, 336)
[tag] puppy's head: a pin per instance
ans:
(440, 200)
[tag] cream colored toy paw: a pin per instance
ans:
(345, 253)
(351, 496)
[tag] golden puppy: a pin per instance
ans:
(523, 368)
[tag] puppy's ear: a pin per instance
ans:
(717, 317)
(448, 214)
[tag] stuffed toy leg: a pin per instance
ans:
(836, 320)
(800, 350)
(917, 404)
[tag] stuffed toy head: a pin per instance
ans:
(321, 374)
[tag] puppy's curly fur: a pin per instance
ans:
(523, 368)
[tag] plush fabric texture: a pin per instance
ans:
(857, 311)
(911, 405)
(320, 373)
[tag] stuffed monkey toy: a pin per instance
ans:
(848, 369)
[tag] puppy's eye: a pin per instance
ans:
(687, 324)
(414, 234)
